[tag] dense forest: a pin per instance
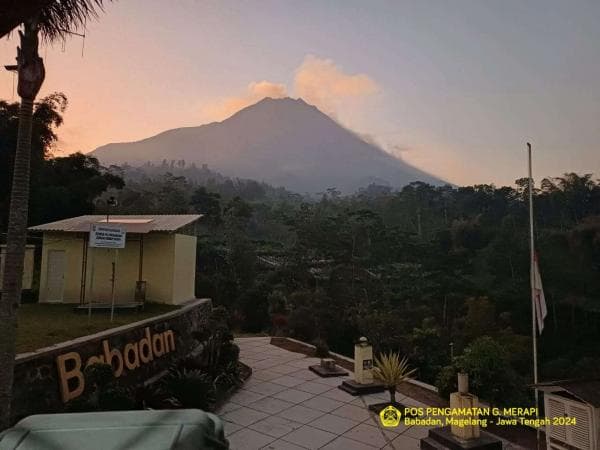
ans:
(440, 274)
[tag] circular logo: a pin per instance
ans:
(390, 416)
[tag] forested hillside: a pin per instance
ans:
(421, 269)
(429, 271)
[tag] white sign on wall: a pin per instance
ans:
(107, 236)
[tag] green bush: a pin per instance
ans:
(302, 323)
(321, 348)
(102, 392)
(190, 387)
(491, 376)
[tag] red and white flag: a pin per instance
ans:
(538, 297)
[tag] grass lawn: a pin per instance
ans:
(41, 325)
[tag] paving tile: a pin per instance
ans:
(229, 406)
(288, 381)
(309, 437)
(400, 429)
(248, 361)
(293, 395)
(275, 426)
(305, 362)
(417, 432)
(295, 356)
(245, 397)
(270, 405)
(284, 369)
(339, 395)
(302, 414)
(265, 364)
(252, 381)
(265, 374)
(322, 404)
(231, 427)
(403, 442)
(282, 445)
(312, 387)
(333, 424)
(265, 388)
(247, 439)
(352, 412)
(367, 434)
(343, 443)
(331, 381)
(305, 374)
(244, 416)
(253, 355)
(366, 399)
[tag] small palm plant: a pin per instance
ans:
(391, 371)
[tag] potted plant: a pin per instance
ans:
(391, 371)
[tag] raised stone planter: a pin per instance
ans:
(139, 353)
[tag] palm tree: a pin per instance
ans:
(391, 371)
(50, 19)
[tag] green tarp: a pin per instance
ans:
(183, 429)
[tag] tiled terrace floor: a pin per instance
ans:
(285, 406)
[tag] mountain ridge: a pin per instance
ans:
(285, 142)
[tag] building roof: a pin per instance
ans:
(587, 391)
(131, 223)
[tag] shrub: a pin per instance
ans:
(102, 392)
(321, 348)
(491, 376)
(302, 323)
(254, 307)
(98, 376)
(230, 354)
(115, 398)
(190, 387)
(280, 323)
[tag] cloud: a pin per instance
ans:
(255, 91)
(320, 82)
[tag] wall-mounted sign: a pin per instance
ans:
(367, 364)
(131, 357)
(107, 236)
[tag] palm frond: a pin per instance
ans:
(61, 17)
(55, 18)
(391, 370)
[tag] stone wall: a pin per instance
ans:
(40, 375)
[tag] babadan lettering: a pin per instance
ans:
(134, 354)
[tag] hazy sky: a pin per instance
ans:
(454, 87)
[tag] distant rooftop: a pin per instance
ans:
(131, 223)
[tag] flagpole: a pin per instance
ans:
(532, 282)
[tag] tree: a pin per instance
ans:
(68, 186)
(52, 19)
(208, 204)
(31, 77)
(46, 117)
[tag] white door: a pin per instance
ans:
(55, 284)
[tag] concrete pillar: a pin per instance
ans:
(462, 399)
(363, 362)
